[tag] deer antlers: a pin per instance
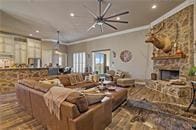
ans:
(159, 29)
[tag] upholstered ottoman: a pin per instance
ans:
(125, 82)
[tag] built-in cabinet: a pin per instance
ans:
(34, 48)
(6, 45)
(47, 55)
(19, 48)
(20, 56)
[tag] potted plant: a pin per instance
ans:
(192, 73)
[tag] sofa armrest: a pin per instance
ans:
(98, 117)
(69, 110)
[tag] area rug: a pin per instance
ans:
(133, 118)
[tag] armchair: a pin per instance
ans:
(114, 76)
(118, 75)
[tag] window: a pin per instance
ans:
(79, 62)
(60, 60)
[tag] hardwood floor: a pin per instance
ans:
(13, 117)
(126, 117)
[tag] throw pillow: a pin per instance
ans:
(65, 80)
(80, 77)
(95, 78)
(54, 82)
(79, 100)
(91, 78)
(94, 98)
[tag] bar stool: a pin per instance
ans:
(193, 101)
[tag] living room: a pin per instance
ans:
(99, 64)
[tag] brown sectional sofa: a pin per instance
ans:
(30, 94)
(98, 117)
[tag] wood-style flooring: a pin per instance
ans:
(13, 117)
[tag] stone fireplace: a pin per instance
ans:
(173, 65)
(169, 74)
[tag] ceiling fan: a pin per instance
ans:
(101, 18)
(55, 41)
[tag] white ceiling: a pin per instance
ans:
(48, 16)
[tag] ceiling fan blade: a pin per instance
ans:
(116, 21)
(99, 1)
(111, 26)
(93, 26)
(91, 12)
(106, 9)
(119, 14)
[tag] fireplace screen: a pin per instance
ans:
(169, 74)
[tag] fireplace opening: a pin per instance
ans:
(169, 74)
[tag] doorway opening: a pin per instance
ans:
(101, 61)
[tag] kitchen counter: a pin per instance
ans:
(1, 69)
(14, 74)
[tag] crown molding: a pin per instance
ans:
(111, 34)
(173, 11)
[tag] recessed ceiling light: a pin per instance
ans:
(72, 14)
(37, 31)
(117, 18)
(154, 6)
(30, 34)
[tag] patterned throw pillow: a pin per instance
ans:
(73, 79)
(90, 78)
(65, 80)
(95, 78)
(80, 77)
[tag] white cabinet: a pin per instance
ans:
(1, 44)
(34, 48)
(6, 44)
(19, 48)
(20, 52)
(47, 55)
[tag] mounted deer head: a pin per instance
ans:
(160, 42)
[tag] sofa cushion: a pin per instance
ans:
(79, 100)
(94, 98)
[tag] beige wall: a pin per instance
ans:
(141, 64)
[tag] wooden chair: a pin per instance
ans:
(193, 101)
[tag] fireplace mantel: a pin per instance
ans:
(169, 57)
